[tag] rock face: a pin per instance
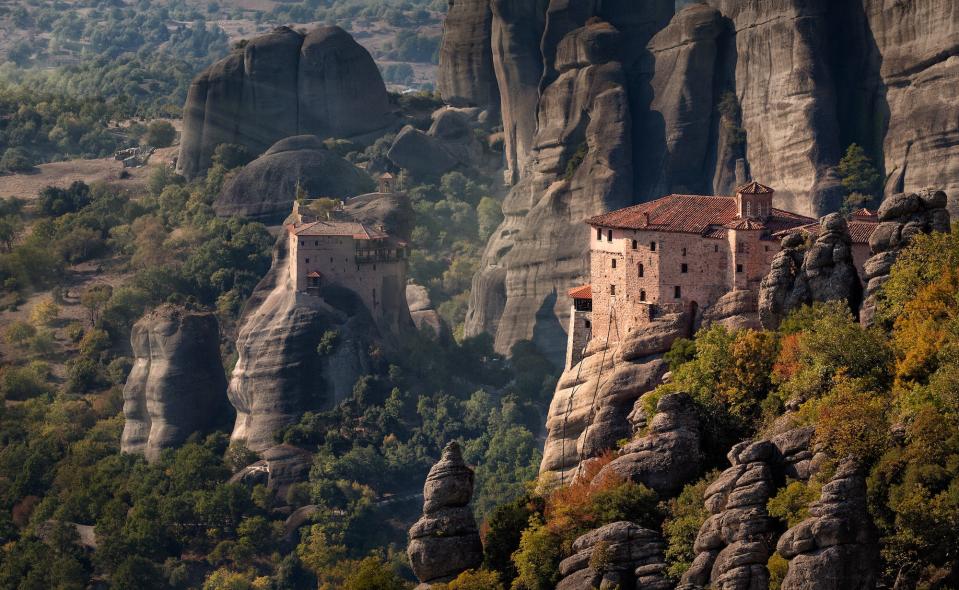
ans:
(448, 143)
(265, 188)
(280, 467)
(581, 165)
(278, 373)
(282, 84)
(823, 272)
(465, 76)
(667, 457)
(736, 310)
(177, 385)
(590, 409)
(445, 542)
(919, 45)
(618, 555)
(835, 548)
(901, 218)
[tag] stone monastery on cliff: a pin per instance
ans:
(683, 252)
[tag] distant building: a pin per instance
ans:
(326, 247)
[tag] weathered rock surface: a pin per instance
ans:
(736, 310)
(279, 468)
(177, 385)
(667, 456)
(835, 548)
(449, 143)
(798, 276)
(590, 409)
(278, 373)
(581, 166)
(265, 188)
(901, 217)
(282, 84)
(425, 316)
(445, 542)
(919, 45)
(465, 75)
(631, 557)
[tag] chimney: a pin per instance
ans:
(645, 218)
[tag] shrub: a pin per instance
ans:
(328, 343)
(791, 503)
(686, 515)
(83, 375)
(20, 383)
(160, 134)
(44, 313)
(476, 580)
(19, 332)
(16, 159)
(372, 574)
(858, 173)
(537, 559)
(501, 536)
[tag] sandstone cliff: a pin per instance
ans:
(281, 84)
(265, 188)
(177, 386)
(445, 541)
(465, 75)
(632, 557)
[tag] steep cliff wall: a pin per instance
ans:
(283, 83)
(465, 76)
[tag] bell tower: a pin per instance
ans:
(754, 201)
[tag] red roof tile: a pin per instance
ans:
(745, 224)
(354, 229)
(695, 214)
(754, 188)
(582, 292)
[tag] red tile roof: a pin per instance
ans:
(745, 224)
(754, 188)
(694, 214)
(859, 229)
(354, 229)
(582, 292)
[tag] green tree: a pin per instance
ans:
(537, 558)
(372, 574)
(160, 133)
(489, 214)
(16, 159)
(858, 173)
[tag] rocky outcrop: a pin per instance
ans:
(735, 542)
(835, 548)
(177, 386)
(279, 468)
(617, 555)
(901, 217)
(667, 456)
(282, 84)
(265, 188)
(445, 542)
(425, 316)
(825, 271)
(448, 144)
(919, 45)
(279, 374)
(465, 75)
(590, 409)
(581, 166)
(736, 310)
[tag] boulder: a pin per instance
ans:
(282, 84)
(736, 310)
(177, 386)
(836, 547)
(420, 153)
(825, 271)
(667, 456)
(445, 541)
(465, 75)
(631, 557)
(902, 217)
(265, 188)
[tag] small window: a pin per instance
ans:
(614, 262)
(642, 295)
(684, 251)
(609, 235)
(316, 242)
(302, 243)
(307, 260)
(635, 244)
(715, 248)
(678, 292)
(652, 246)
(684, 268)
(767, 248)
(612, 289)
(599, 234)
(642, 270)
(739, 268)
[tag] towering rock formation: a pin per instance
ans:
(835, 548)
(823, 272)
(617, 555)
(465, 76)
(177, 386)
(594, 399)
(281, 84)
(919, 45)
(279, 373)
(445, 542)
(901, 218)
(265, 188)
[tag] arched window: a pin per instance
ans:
(642, 295)
(642, 269)
(749, 209)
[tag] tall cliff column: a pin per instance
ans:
(465, 76)
(445, 542)
(516, 31)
